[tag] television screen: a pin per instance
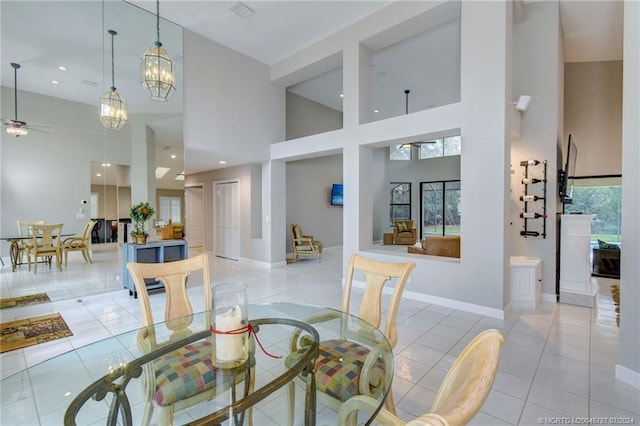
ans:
(336, 195)
(565, 189)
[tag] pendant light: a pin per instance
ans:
(113, 109)
(157, 75)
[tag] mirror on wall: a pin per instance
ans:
(65, 57)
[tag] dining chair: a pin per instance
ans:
(187, 376)
(25, 229)
(345, 368)
(82, 243)
(461, 395)
(46, 243)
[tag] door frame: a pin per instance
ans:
(214, 218)
(204, 210)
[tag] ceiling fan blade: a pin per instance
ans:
(36, 130)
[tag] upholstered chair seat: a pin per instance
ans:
(404, 233)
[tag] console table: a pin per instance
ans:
(152, 252)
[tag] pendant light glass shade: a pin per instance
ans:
(17, 131)
(113, 109)
(157, 75)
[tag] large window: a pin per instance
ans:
(601, 196)
(400, 205)
(440, 208)
(171, 209)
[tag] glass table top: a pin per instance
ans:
(43, 393)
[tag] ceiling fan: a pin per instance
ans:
(416, 143)
(17, 127)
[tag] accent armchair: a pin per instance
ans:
(404, 233)
(304, 245)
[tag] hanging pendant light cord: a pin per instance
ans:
(113, 79)
(15, 89)
(158, 21)
(406, 102)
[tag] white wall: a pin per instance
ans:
(305, 117)
(308, 189)
(592, 114)
(628, 368)
(536, 67)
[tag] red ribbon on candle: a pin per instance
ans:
(248, 328)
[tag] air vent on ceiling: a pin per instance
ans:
(242, 10)
(89, 83)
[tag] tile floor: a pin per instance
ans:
(557, 361)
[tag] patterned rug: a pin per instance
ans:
(31, 331)
(31, 299)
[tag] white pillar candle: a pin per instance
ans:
(229, 346)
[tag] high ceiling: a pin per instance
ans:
(275, 30)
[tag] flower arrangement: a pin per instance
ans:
(140, 213)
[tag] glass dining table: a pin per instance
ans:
(102, 383)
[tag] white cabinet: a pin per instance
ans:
(575, 261)
(526, 279)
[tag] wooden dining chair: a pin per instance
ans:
(25, 229)
(46, 243)
(461, 395)
(81, 243)
(187, 376)
(345, 368)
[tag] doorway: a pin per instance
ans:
(226, 219)
(194, 215)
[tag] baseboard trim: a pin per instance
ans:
(548, 297)
(627, 375)
(443, 301)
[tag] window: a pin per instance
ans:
(601, 196)
(171, 209)
(440, 208)
(400, 206)
(400, 152)
(443, 147)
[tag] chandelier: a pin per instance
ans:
(157, 75)
(113, 109)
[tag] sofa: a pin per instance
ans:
(435, 245)
(606, 262)
(404, 233)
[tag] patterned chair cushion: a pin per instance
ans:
(339, 366)
(184, 373)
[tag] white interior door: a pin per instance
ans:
(194, 216)
(226, 207)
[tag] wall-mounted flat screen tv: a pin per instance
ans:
(565, 186)
(336, 194)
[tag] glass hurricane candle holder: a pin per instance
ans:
(230, 324)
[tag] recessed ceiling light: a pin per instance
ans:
(341, 95)
(62, 68)
(173, 156)
(376, 111)
(180, 177)
(222, 162)
(106, 164)
(161, 171)
(55, 82)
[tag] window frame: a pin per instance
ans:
(443, 206)
(392, 204)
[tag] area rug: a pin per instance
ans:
(31, 331)
(30, 299)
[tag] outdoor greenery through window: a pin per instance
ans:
(601, 196)
(440, 210)
(400, 152)
(443, 147)
(400, 205)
